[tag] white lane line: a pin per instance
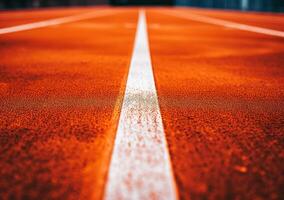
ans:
(53, 22)
(140, 166)
(225, 23)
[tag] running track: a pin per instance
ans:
(125, 103)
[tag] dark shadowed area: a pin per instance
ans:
(252, 5)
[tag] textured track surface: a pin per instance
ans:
(20, 17)
(221, 93)
(60, 91)
(264, 20)
(221, 96)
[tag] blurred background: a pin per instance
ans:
(254, 5)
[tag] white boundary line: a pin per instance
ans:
(225, 23)
(53, 22)
(140, 166)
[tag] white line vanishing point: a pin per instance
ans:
(140, 167)
(225, 23)
(52, 22)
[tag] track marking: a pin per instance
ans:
(52, 22)
(225, 23)
(140, 166)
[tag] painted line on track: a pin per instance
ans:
(140, 166)
(225, 23)
(56, 21)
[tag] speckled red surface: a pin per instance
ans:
(259, 19)
(19, 17)
(221, 94)
(60, 95)
(220, 91)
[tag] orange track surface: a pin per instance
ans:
(13, 18)
(60, 92)
(264, 20)
(220, 91)
(221, 96)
